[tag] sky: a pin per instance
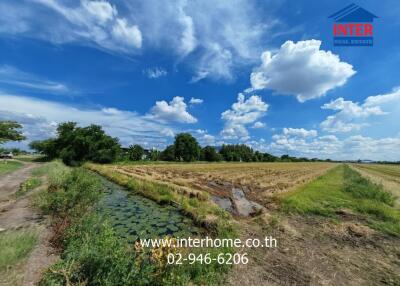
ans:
(261, 73)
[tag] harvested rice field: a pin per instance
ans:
(258, 180)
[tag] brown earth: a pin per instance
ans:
(314, 251)
(18, 213)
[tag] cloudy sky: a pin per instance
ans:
(263, 73)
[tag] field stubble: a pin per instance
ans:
(259, 181)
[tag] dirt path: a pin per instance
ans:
(10, 182)
(17, 214)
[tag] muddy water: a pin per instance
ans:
(134, 217)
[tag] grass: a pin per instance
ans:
(28, 185)
(9, 166)
(343, 188)
(31, 158)
(15, 246)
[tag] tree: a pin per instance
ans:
(168, 154)
(155, 155)
(210, 154)
(9, 131)
(75, 145)
(135, 152)
(186, 147)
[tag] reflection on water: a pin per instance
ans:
(134, 217)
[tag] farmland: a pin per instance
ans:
(259, 180)
(387, 175)
(326, 209)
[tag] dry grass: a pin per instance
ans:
(259, 180)
(386, 175)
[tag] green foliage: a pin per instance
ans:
(75, 145)
(242, 152)
(210, 154)
(14, 246)
(28, 185)
(7, 167)
(168, 154)
(343, 188)
(9, 131)
(135, 152)
(186, 148)
(71, 193)
(361, 187)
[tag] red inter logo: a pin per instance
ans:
(353, 29)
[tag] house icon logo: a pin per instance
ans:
(353, 26)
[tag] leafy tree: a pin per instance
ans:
(186, 147)
(75, 145)
(135, 152)
(239, 152)
(9, 131)
(210, 154)
(155, 155)
(168, 154)
(269, 158)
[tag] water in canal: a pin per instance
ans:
(133, 216)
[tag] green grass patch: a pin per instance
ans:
(9, 166)
(15, 246)
(28, 185)
(344, 188)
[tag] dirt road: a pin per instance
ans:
(17, 213)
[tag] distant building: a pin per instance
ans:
(8, 155)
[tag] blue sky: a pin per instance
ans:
(263, 73)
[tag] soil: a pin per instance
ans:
(314, 251)
(17, 213)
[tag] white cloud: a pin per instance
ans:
(196, 101)
(40, 118)
(167, 132)
(329, 146)
(299, 132)
(353, 116)
(126, 34)
(175, 110)
(189, 30)
(258, 125)
(155, 72)
(14, 77)
(242, 113)
(300, 69)
(91, 22)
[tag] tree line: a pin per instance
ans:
(74, 145)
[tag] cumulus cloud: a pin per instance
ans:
(196, 101)
(353, 116)
(258, 125)
(299, 132)
(329, 146)
(301, 69)
(40, 118)
(242, 113)
(13, 77)
(175, 110)
(155, 72)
